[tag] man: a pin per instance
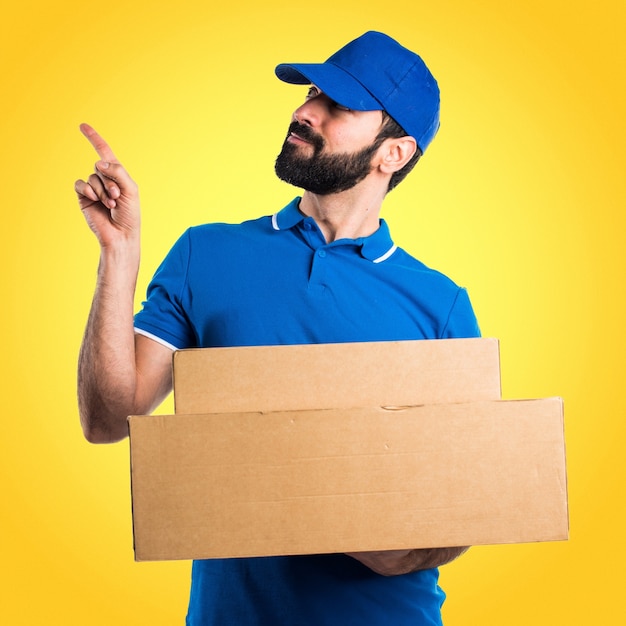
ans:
(323, 269)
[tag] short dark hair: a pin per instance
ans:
(392, 130)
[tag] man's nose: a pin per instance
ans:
(309, 112)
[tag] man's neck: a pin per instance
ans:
(347, 215)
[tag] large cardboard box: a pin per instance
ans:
(345, 480)
(344, 447)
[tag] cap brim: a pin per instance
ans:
(336, 83)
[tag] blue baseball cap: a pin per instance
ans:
(375, 72)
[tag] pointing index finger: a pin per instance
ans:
(99, 144)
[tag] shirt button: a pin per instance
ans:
(307, 226)
(321, 253)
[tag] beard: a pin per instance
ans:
(322, 174)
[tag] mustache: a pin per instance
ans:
(306, 133)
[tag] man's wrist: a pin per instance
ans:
(120, 259)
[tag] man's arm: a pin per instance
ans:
(118, 374)
(396, 562)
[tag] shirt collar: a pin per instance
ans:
(288, 217)
(377, 247)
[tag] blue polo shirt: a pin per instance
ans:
(275, 280)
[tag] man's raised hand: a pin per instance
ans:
(109, 198)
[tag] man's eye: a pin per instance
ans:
(312, 92)
(341, 107)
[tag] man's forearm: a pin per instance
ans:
(434, 557)
(106, 368)
(396, 562)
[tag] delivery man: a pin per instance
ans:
(323, 269)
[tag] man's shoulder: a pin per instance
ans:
(220, 234)
(259, 224)
(403, 259)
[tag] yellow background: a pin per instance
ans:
(520, 199)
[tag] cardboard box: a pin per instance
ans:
(342, 480)
(342, 375)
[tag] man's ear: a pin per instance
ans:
(396, 153)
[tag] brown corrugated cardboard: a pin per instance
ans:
(342, 375)
(318, 481)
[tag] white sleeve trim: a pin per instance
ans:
(275, 222)
(145, 333)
